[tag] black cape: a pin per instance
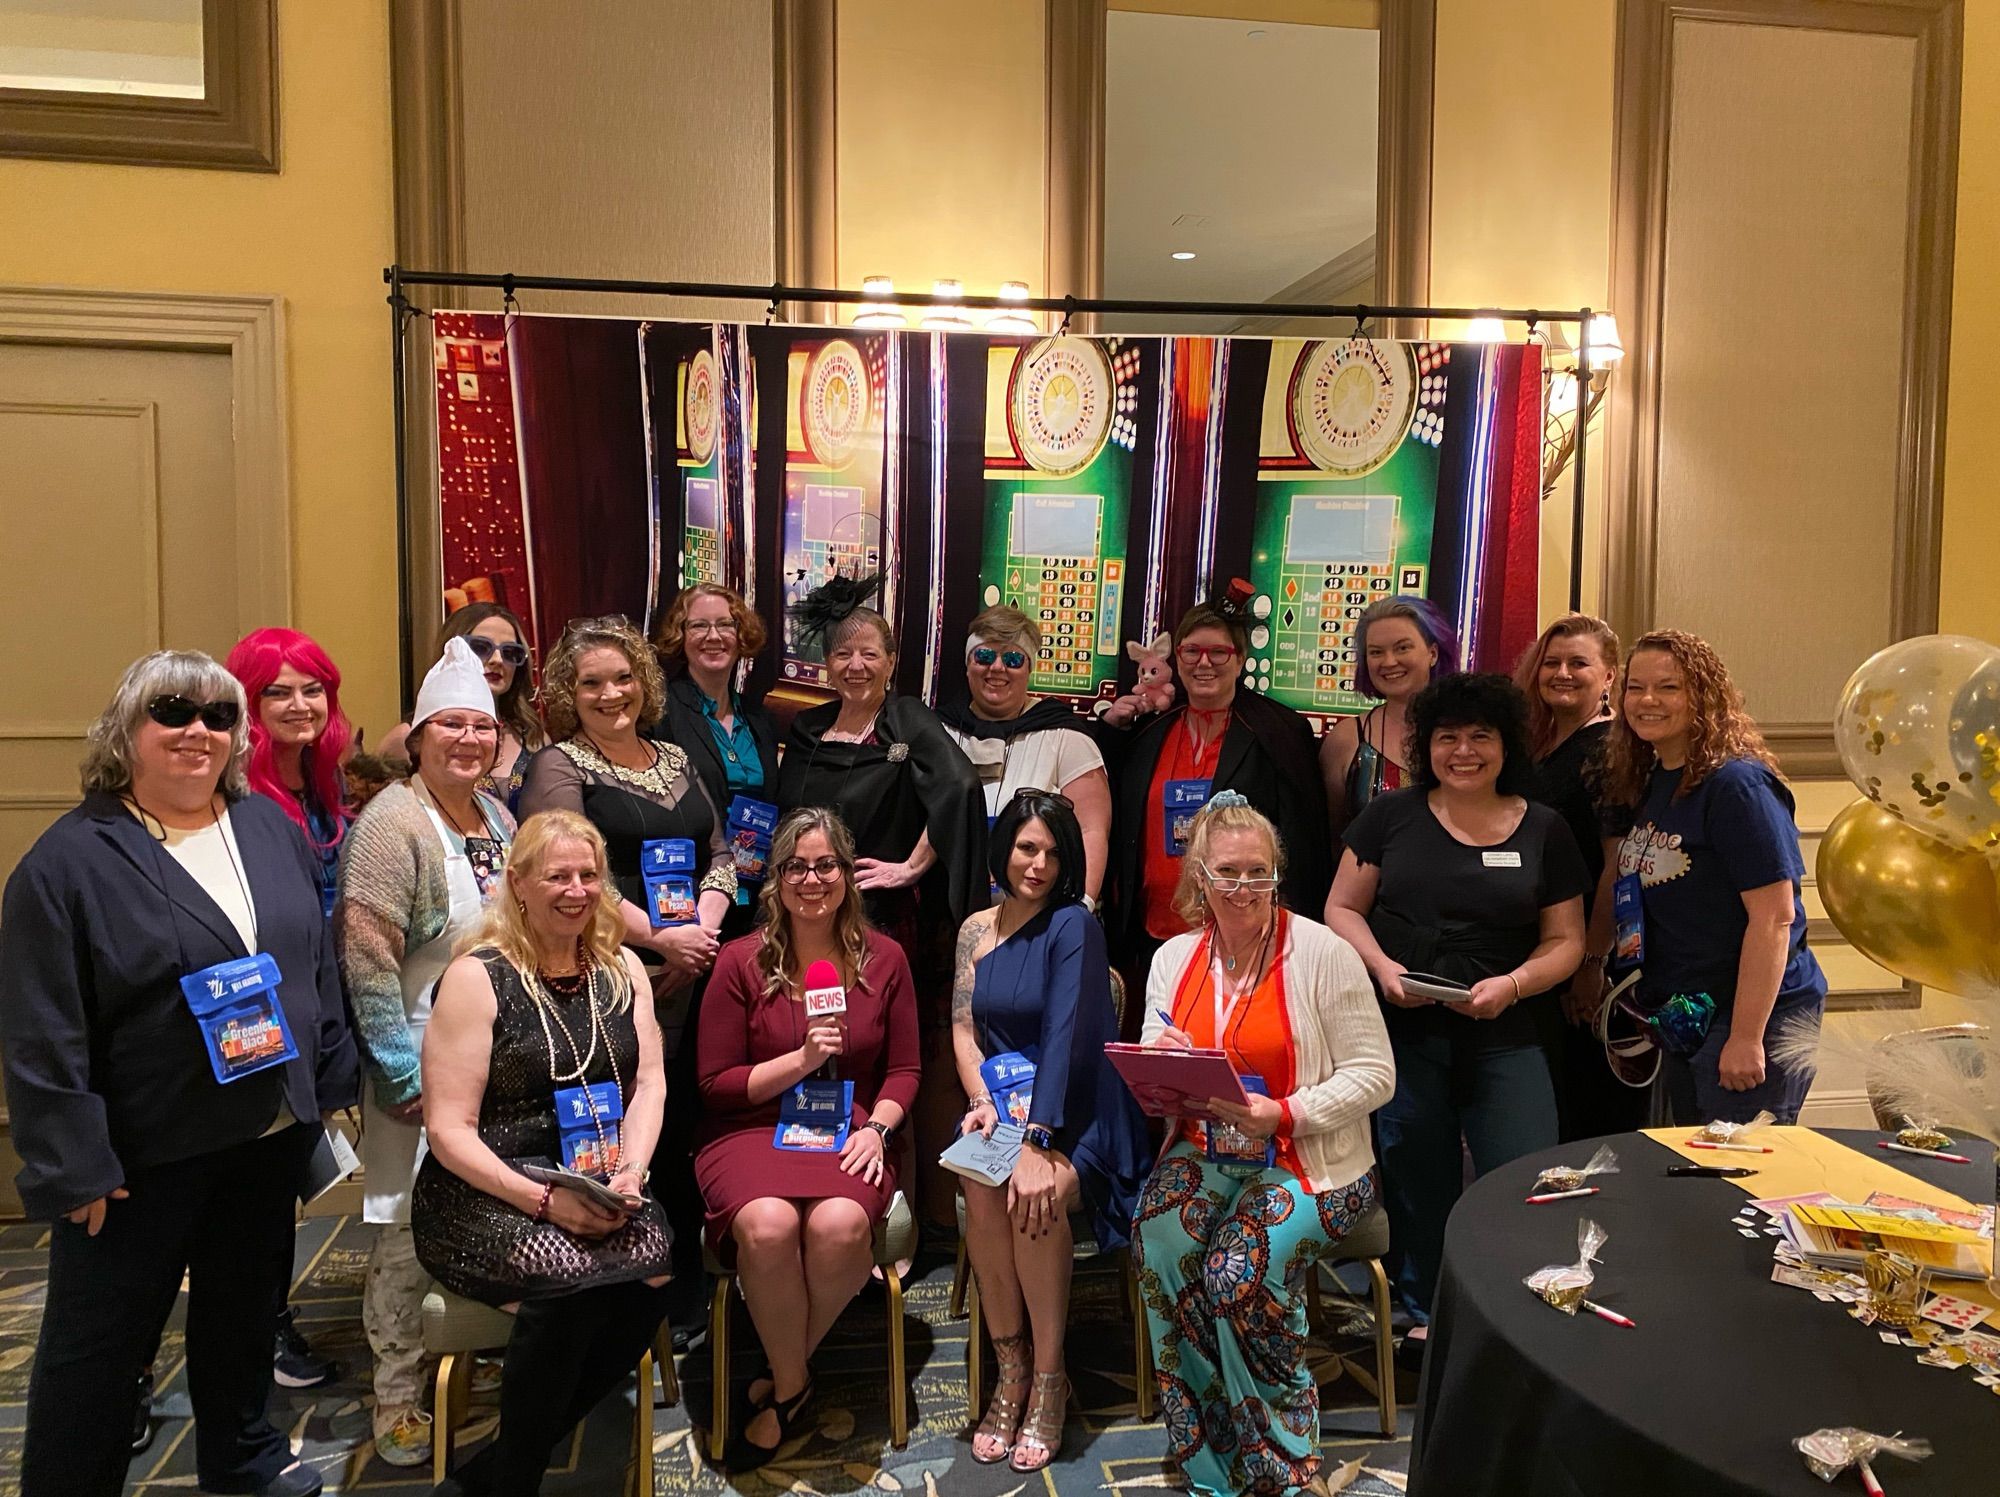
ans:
(911, 781)
(1269, 757)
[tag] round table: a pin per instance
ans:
(1723, 1369)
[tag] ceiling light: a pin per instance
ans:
(1012, 324)
(877, 285)
(1013, 291)
(1183, 254)
(1486, 330)
(881, 317)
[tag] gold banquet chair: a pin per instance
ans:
(895, 1240)
(1367, 1243)
(457, 1330)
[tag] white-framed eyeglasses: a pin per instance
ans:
(1229, 883)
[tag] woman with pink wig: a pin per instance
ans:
(298, 736)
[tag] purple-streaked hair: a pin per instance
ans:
(1430, 624)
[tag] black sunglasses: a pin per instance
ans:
(178, 712)
(515, 655)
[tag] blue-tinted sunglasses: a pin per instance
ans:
(985, 655)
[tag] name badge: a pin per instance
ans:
(235, 1004)
(488, 856)
(667, 864)
(750, 825)
(1237, 1154)
(590, 1120)
(1010, 1082)
(814, 1116)
(1182, 799)
(1500, 859)
(1628, 921)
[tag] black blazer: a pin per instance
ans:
(105, 1067)
(686, 725)
(1269, 757)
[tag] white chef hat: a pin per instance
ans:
(456, 681)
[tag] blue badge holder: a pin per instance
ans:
(1238, 1154)
(235, 1005)
(1628, 922)
(1182, 799)
(814, 1117)
(667, 865)
(751, 823)
(1010, 1081)
(590, 1121)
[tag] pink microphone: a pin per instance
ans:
(825, 995)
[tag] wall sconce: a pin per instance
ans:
(1567, 385)
(1014, 320)
(947, 316)
(881, 288)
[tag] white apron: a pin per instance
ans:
(392, 1150)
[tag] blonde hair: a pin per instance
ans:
(107, 761)
(612, 631)
(1720, 729)
(1528, 672)
(1002, 625)
(670, 634)
(775, 957)
(504, 926)
(1190, 900)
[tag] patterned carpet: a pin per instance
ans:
(1105, 1448)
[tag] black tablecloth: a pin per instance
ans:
(1723, 1369)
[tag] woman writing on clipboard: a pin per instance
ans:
(1230, 1208)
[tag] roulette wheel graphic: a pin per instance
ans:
(1352, 403)
(836, 401)
(1059, 405)
(700, 406)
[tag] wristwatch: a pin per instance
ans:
(1039, 1136)
(888, 1133)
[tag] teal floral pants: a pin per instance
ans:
(1222, 1265)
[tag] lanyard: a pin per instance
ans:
(1224, 1013)
(148, 820)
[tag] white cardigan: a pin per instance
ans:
(1341, 1063)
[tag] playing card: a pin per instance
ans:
(1959, 1314)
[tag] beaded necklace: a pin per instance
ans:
(546, 1008)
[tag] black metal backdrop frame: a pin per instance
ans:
(402, 310)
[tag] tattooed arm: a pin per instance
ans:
(964, 1038)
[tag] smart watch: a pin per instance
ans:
(1039, 1136)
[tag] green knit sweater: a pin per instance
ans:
(393, 899)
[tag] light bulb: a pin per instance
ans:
(877, 285)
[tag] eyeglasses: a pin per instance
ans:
(985, 655)
(459, 727)
(719, 627)
(1229, 883)
(1195, 654)
(794, 870)
(178, 712)
(514, 654)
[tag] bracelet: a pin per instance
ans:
(981, 1099)
(1517, 986)
(542, 1211)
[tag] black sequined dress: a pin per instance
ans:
(478, 1245)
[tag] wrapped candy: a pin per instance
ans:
(1922, 1133)
(1896, 1286)
(1564, 1285)
(1719, 1132)
(1828, 1452)
(1569, 1177)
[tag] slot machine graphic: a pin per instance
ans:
(1345, 501)
(1060, 433)
(699, 415)
(697, 455)
(836, 477)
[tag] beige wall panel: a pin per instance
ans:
(625, 138)
(1787, 194)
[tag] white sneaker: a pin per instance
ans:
(403, 1435)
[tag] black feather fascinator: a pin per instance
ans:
(827, 606)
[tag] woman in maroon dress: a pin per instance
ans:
(798, 1222)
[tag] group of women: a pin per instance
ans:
(989, 881)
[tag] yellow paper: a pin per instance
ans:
(1856, 1219)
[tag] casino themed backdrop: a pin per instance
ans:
(1102, 484)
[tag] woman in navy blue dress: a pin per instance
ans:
(1032, 978)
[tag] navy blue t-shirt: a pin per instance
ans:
(1695, 858)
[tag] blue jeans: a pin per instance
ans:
(1695, 1091)
(1452, 1082)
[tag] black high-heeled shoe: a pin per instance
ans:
(745, 1454)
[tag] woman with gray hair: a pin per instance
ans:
(173, 1033)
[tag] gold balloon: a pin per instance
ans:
(1908, 902)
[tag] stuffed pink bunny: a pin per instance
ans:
(1155, 691)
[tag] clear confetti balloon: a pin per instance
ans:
(1918, 729)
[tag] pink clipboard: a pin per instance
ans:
(1176, 1083)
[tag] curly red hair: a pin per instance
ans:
(1721, 729)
